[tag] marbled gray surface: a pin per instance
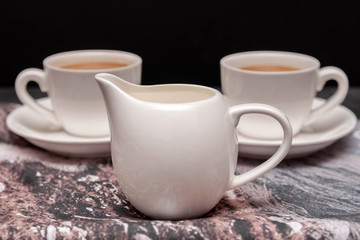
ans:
(45, 196)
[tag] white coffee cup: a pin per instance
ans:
(293, 91)
(78, 105)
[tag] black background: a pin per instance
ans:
(179, 41)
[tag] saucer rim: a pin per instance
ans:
(263, 149)
(11, 121)
(274, 143)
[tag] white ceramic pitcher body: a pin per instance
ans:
(174, 147)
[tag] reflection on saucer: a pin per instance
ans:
(40, 132)
(329, 128)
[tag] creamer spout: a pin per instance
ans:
(109, 82)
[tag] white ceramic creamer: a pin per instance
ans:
(174, 147)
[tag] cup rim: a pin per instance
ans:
(315, 65)
(47, 60)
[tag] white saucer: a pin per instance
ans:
(37, 130)
(331, 127)
(40, 132)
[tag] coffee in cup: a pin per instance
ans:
(94, 65)
(269, 68)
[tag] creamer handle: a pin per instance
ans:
(239, 110)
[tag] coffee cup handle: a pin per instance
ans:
(21, 82)
(239, 110)
(326, 74)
